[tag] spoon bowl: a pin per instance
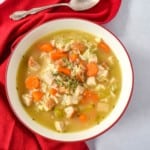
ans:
(81, 5)
(77, 5)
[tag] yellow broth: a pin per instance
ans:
(107, 92)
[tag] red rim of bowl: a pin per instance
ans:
(115, 121)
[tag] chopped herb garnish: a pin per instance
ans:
(67, 82)
(67, 62)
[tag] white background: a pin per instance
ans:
(132, 132)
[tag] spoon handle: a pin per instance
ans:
(23, 13)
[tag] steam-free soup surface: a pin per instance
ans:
(69, 80)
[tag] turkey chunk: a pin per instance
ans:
(27, 99)
(69, 111)
(33, 64)
(79, 90)
(91, 81)
(60, 126)
(67, 100)
(93, 58)
(50, 104)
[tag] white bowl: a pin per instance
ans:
(78, 24)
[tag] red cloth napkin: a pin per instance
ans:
(13, 134)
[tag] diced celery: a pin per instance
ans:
(58, 113)
(89, 107)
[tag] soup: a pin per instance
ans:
(69, 80)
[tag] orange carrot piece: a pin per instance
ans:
(94, 97)
(73, 57)
(57, 55)
(53, 91)
(32, 82)
(37, 95)
(92, 69)
(46, 47)
(83, 118)
(64, 70)
(104, 46)
(89, 96)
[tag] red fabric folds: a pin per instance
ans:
(13, 135)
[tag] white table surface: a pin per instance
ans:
(132, 132)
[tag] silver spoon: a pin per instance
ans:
(77, 5)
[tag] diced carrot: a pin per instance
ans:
(86, 93)
(83, 118)
(32, 82)
(64, 70)
(92, 69)
(89, 96)
(104, 46)
(73, 57)
(37, 95)
(53, 91)
(46, 47)
(57, 55)
(94, 97)
(78, 46)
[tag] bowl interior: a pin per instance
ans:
(77, 24)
